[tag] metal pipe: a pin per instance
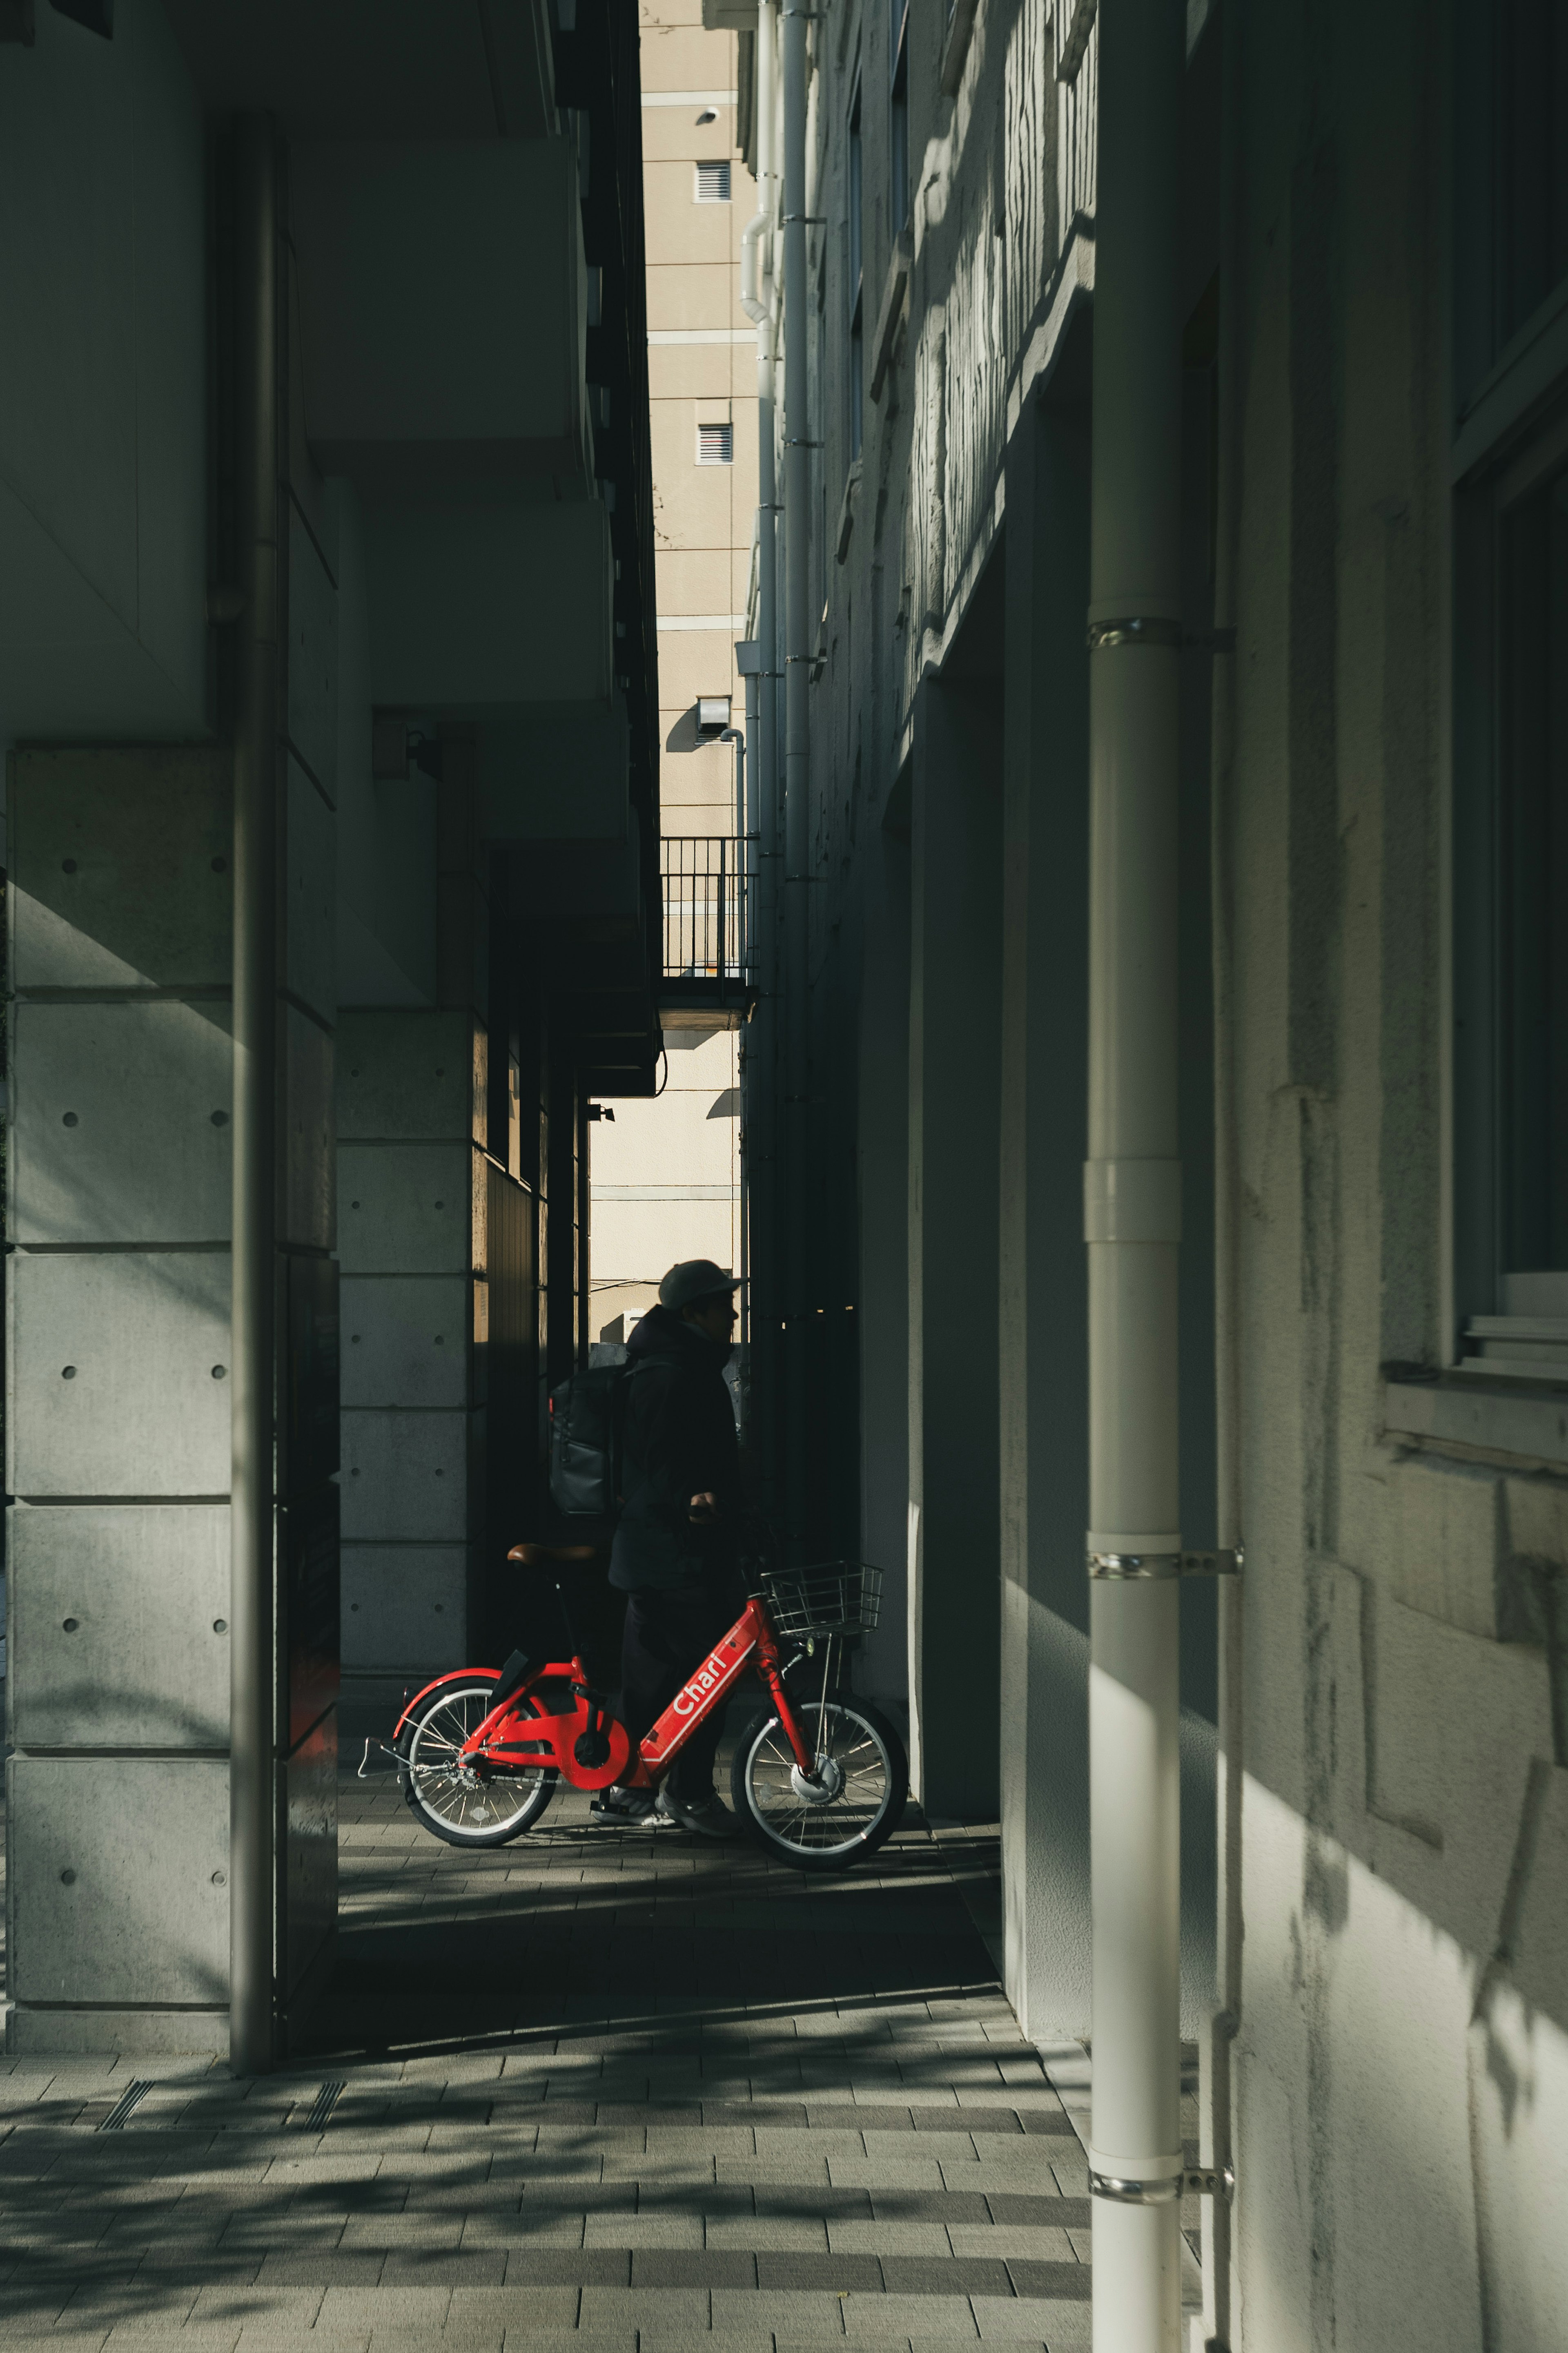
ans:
(1132, 1181)
(749, 658)
(251, 1347)
(797, 655)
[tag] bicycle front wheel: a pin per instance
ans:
(850, 1803)
(465, 1805)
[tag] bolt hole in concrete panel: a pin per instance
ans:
(149, 1162)
(387, 1061)
(145, 1841)
(395, 1594)
(145, 1329)
(407, 1474)
(112, 1603)
(112, 858)
(410, 1205)
(399, 1363)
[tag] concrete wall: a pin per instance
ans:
(1388, 2064)
(1400, 2067)
(118, 1404)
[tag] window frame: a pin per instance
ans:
(1509, 428)
(854, 170)
(900, 201)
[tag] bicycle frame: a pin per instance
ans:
(512, 1735)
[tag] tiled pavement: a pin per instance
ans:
(612, 2090)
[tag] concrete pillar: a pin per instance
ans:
(1044, 1421)
(882, 1168)
(954, 1073)
(424, 1216)
(118, 1419)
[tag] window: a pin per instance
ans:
(712, 183)
(1533, 181)
(715, 445)
(1511, 717)
(899, 119)
(856, 288)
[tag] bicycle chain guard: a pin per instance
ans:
(556, 1737)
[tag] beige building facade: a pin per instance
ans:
(666, 1173)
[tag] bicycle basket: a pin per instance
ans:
(837, 1596)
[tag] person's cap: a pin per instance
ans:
(694, 1279)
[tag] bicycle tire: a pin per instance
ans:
(815, 1835)
(475, 1814)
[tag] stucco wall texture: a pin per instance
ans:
(1388, 2061)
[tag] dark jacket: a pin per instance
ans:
(679, 1442)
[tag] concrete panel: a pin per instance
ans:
(405, 1477)
(404, 1077)
(404, 1340)
(404, 1607)
(556, 770)
(310, 1796)
(119, 1122)
(144, 1410)
(308, 1640)
(309, 1200)
(120, 1879)
(307, 1422)
(310, 944)
(313, 658)
(119, 868)
(480, 244)
(103, 407)
(153, 2033)
(119, 1621)
(474, 605)
(404, 1209)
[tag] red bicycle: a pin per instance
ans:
(819, 1777)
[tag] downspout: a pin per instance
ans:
(797, 657)
(761, 733)
(250, 1773)
(1132, 1182)
(748, 657)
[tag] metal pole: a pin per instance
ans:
(798, 503)
(255, 996)
(751, 821)
(1132, 1182)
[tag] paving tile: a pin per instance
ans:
(1049, 2279)
(804, 2313)
(887, 2239)
(798, 2235)
(1065, 2327)
(900, 2316)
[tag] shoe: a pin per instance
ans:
(709, 1816)
(617, 1805)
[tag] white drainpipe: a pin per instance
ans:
(1132, 1183)
(797, 656)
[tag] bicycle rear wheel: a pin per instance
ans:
(850, 1805)
(465, 1806)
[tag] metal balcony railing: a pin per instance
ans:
(706, 928)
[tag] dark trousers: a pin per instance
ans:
(669, 1630)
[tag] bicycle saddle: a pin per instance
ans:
(534, 1555)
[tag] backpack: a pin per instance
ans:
(587, 1425)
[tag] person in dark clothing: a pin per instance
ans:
(674, 1553)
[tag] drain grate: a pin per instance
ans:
(322, 2106)
(130, 2097)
